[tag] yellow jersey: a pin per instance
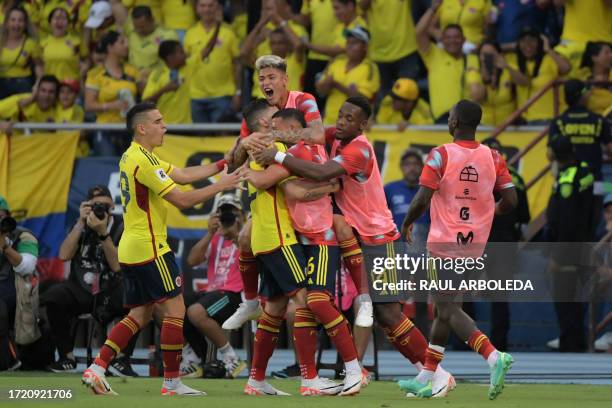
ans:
(33, 113)
(392, 29)
(421, 114)
(469, 14)
(364, 77)
(500, 102)
(447, 78)
(9, 108)
(214, 76)
(15, 63)
(600, 99)
(174, 105)
(154, 5)
(61, 56)
(177, 14)
(144, 182)
(109, 88)
(73, 114)
(272, 227)
(143, 52)
(240, 26)
(587, 20)
(543, 108)
(323, 22)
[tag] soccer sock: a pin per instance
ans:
(266, 338)
(433, 356)
(481, 344)
(321, 304)
(408, 340)
(116, 341)
(353, 261)
(305, 337)
(248, 272)
(171, 340)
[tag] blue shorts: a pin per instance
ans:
(282, 271)
(151, 282)
(321, 268)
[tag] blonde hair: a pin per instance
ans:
(271, 61)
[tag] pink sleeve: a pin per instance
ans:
(354, 158)
(307, 104)
(504, 179)
(433, 168)
(300, 151)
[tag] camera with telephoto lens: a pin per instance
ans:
(227, 217)
(100, 210)
(7, 225)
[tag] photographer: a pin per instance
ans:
(222, 298)
(94, 285)
(18, 257)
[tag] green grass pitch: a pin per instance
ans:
(144, 393)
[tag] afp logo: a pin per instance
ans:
(464, 213)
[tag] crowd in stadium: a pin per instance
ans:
(92, 61)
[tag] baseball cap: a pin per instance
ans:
(405, 88)
(228, 199)
(98, 12)
(4, 205)
(607, 199)
(72, 84)
(359, 33)
(98, 191)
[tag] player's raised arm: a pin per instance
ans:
(191, 174)
(306, 190)
(313, 134)
(187, 199)
(264, 179)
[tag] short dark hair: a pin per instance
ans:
(451, 26)
(411, 152)
(468, 113)
(133, 113)
(362, 103)
(109, 39)
(493, 143)
(592, 48)
(167, 48)
(52, 13)
(291, 113)
(50, 78)
(98, 191)
(574, 89)
(252, 112)
(142, 11)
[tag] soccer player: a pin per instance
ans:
(362, 202)
(311, 213)
(272, 72)
(452, 171)
(151, 275)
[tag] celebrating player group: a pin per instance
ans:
(316, 200)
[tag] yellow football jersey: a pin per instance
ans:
(272, 226)
(145, 181)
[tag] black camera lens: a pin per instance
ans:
(100, 210)
(7, 225)
(227, 218)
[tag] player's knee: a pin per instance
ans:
(276, 307)
(343, 230)
(196, 312)
(318, 302)
(386, 315)
(444, 311)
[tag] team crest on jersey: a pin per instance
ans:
(161, 174)
(178, 281)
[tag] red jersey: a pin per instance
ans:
(223, 265)
(312, 220)
(362, 196)
(303, 101)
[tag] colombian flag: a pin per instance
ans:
(35, 173)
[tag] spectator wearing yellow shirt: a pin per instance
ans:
(474, 16)
(446, 67)
(403, 107)
(492, 86)
(393, 45)
(597, 59)
(350, 75)
(536, 65)
(18, 51)
(68, 111)
(346, 14)
(40, 106)
(212, 47)
(319, 16)
(168, 84)
(110, 90)
(100, 21)
(178, 15)
(154, 5)
(144, 40)
(61, 50)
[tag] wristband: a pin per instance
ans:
(220, 164)
(279, 157)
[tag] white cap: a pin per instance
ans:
(228, 199)
(99, 11)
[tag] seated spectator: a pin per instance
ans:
(534, 65)
(168, 84)
(144, 40)
(222, 297)
(597, 59)
(18, 53)
(403, 107)
(18, 257)
(349, 75)
(178, 15)
(447, 67)
(212, 48)
(60, 49)
(94, 283)
(492, 86)
(513, 15)
(40, 105)
(110, 91)
(474, 16)
(346, 14)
